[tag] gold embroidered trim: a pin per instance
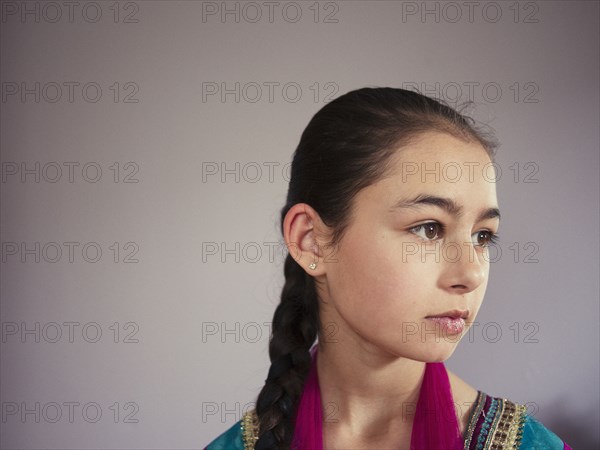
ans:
(249, 429)
(479, 404)
(507, 431)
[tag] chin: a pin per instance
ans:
(424, 352)
(437, 352)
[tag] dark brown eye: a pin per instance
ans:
(485, 238)
(429, 230)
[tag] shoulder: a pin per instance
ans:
(241, 436)
(497, 422)
(537, 437)
(230, 439)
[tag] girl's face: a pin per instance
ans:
(415, 247)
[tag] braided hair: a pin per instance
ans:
(346, 147)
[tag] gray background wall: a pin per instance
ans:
(159, 134)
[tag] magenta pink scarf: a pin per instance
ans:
(435, 425)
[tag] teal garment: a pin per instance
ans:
(535, 437)
(229, 440)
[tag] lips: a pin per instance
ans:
(453, 314)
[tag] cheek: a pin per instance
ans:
(372, 279)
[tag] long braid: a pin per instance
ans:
(294, 330)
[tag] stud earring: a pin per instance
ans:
(312, 265)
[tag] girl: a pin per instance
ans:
(389, 215)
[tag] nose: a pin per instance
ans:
(465, 268)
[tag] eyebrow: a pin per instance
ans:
(447, 204)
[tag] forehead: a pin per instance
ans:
(438, 164)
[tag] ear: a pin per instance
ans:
(303, 231)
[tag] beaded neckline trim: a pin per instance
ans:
(249, 425)
(496, 423)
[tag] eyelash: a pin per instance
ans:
(493, 237)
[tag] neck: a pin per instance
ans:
(367, 390)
